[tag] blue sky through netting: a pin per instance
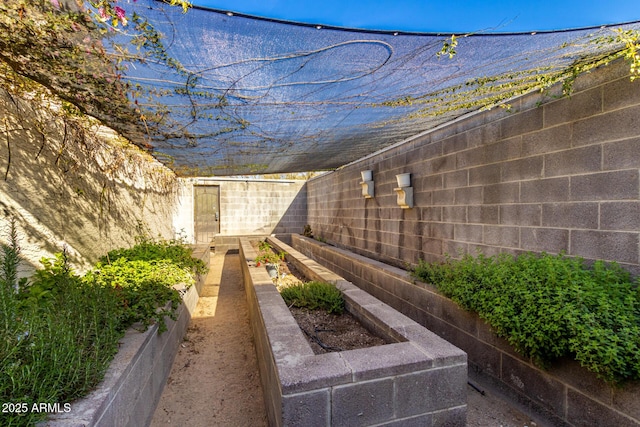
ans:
(258, 96)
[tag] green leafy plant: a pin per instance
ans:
(60, 331)
(57, 344)
(269, 257)
(307, 232)
(147, 249)
(314, 295)
(548, 306)
(144, 288)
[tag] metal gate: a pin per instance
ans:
(206, 213)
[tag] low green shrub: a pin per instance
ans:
(548, 306)
(314, 295)
(144, 288)
(148, 249)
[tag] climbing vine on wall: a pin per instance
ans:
(69, 49)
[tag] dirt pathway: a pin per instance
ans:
(214, 381)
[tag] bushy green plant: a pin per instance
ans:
(59, 343)
(314, 295)
(59, 333)
(548, 306)
(307, 232)
(144, 287)
(147, 249)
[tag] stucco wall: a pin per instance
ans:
(249, 206)
(69, 183)
(552, 174)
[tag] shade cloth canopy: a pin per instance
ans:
(256, 96)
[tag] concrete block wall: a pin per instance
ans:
(71, 184)
(249, 206)
(564, 395)
(417, 380)
(552, 174)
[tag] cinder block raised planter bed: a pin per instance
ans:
(419, 379)
(564, 395)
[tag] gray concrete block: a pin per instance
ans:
(546, 141)
(431, 247)
(458, 178)
(483, 134)
(443, 197)
(545, 190)
(312, 409)
(450, 417)
(470, 158)
(457, 142)
(428, 150)
(364, 403)
(468, 232)
(620, 93)
(485, 214)
(552, 240)
(582, 411)
(623, 216)
(441, 164)
(469, 195)
(431, 390)
(289, 370)
(503, 236)
(625, 399)
(544, 389)
(501, 193)
(574, 161)
(570, 215)
(606, 245)
(485, 174)
(419, 421)
(302, 374)
(571, 373)
(523, 169)
(387, 361)
(619, 185)
(504, 149)
(283, 339)
(454, 214)
(611, 126)
(520, 214)
(435, 347)
(519, 123)
(441, 230)
(578, 106)
(621, 154)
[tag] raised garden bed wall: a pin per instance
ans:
(564, 395)
(133, 384)
(420, 379)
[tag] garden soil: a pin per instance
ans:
(215, 381)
